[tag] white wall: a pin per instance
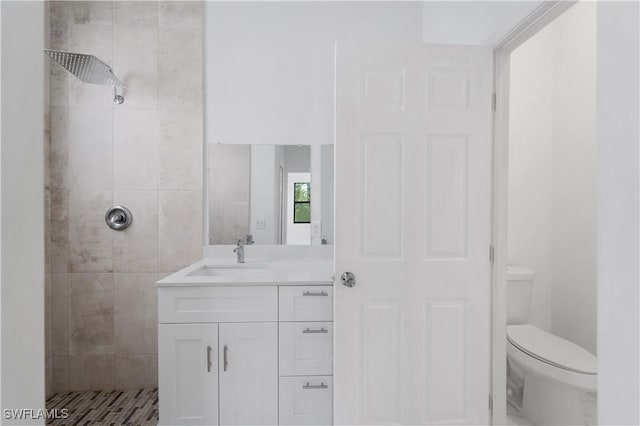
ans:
(269, 65)
(553, 172)
(574, 192)
(530, 171)
(269, 76)
(22, 222)
(618, 185)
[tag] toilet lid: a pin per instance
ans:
(552, 349)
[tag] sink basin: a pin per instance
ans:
(240, 269)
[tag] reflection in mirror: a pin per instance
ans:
(229, 172)
(264, 194)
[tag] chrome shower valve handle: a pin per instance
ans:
(118, 218)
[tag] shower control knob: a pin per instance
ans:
(348, 279)
(118, 218)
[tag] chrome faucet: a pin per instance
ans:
(239, 251)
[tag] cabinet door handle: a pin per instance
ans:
(311, 293)
(309, 331)
(209, 359)
(226, 360)
(320, 386)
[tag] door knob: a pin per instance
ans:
(348, 279)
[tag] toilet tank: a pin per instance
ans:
(519, 285)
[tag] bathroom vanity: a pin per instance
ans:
(246, 343)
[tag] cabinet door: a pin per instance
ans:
(188, 374)
(248, 354)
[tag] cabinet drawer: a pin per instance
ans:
(306, 400)
(306, 348)
(217, 304)
(306, 303)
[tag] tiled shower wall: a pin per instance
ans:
(146, 155)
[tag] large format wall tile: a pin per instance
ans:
(90, 240)
(95, 40)
(183, 14)
(91, 372)
(135, 314)
(136, 248)
(145, 154)
(179, 52)
(91, 148)
(60, 373)
(135, 61)
(59, 77)
(180, 149)
(60, 313)
(136, 13)
(59, 236)
(136, 371)
(180, 230)
(90, 12)
(135, 156)
(48, 382)
(59, 149)
(91, 314)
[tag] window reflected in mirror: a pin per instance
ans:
(262, 194)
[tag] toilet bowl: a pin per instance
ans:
(557, 379)
(550, 380)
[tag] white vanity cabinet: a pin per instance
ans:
(188, 373)
(249, 355)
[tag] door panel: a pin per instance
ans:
(248, 355)
(412, 218)
(188, 380)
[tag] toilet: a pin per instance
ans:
(550, 380)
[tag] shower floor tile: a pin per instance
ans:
(107, 408)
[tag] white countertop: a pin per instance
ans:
(254, 272)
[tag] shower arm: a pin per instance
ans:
(118, 99)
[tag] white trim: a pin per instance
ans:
(527, 28)
(205, 142)
(532, 24)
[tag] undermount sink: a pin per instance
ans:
(240, 269)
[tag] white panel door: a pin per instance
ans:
(188, 379)
(248, 373)
(413, 225)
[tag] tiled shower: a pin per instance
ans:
(145, 154)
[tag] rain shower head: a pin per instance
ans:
(88, 69)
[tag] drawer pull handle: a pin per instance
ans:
(309, 331)
(320, 386)
(311, 293)
(209, 359)
(226, 360)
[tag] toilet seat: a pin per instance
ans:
(552, 356)
(552, 349)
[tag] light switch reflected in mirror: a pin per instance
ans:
(264, 194)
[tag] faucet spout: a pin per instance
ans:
(239, 251)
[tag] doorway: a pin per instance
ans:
(545, 201)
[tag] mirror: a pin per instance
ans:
(267, 194)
